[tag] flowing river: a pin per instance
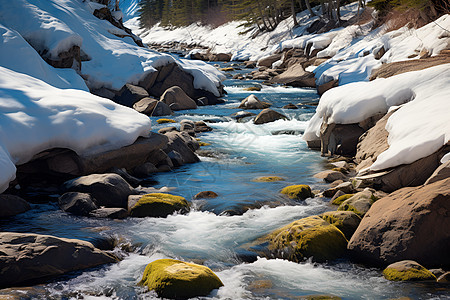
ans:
(216, 231)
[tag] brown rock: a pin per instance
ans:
(378, 53)
(206, 194)
(80, 204)
(183, 145)
(177, 99)
(66, 59)
(296, 76)
(411, 223)
(145, 105)
(321, 89)
(268, 115)
(269, 60)
(251, 102)
(110, 213)
(27, 256)
(441, 173)
(130, 94)
(330, 176)
(11, 205)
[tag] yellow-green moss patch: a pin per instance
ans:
(359, 203)
(175, 279)
(340, 199)
(228, 69)
(307, 237)
(268, 179)
(345, 221)
(163, 120)
(158, 205)
(204, 144)
(407, 270)
(298, 192)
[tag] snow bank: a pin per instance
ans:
(419, 128)
(55, 26)
(35, 116)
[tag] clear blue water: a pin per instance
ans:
(216, 230)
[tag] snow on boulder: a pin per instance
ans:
(35, 116)
(419, 128)
(55, 26)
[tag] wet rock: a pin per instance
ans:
(268, 179)
(288, 132)
(242, 114)
(220, 57)
(251, 102)
(187, 126)
(183, 144)
(11, 205)
(130, 94)
(167, 129)
(174, 279)
(359, 203)
(133, 181)
(110, 213)
(268, 115)
(407, 270)
(80, 204)
(152, 107)
(177, 99)
(109, 190)
(269, 60)
(201, 126)
(250, 64)
(305, 238)
(26, 256)
(297, 192)
(410, 223)
(290, 106)
(345, 221)
(202, 101)
(205, 195)
(340, 139)
(158, 205)
(330, 176)
(145, 170)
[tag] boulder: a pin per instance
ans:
(11, 205)
(330, 176)
(201, 126)
(145, 105)
(345, 187)
(252, 102)
(177, 99)
(220, 57)
(158, 205)
(345, 221)
(308, 237)
(269, 60)
(205, 195)
(407, 270)
(109, 190)
(268, 115)
(174, 279)
(109, 212)
(145, 170)
(167, 129)
(340, 199)
(187, 126)
(79, 204)
(298, 192)
(26, 256)
(183, 144)
(441, 173)
(290, 106)
(268, 179)
(379, 52)
(340, 139)
(359, 203)
(411, 223)
(321, 89)
(66, 59)
(130, 94)
(295, 76)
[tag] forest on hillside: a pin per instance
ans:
(267, 14)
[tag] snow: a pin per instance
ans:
(417, 129)
(35, 116)
(55, 26)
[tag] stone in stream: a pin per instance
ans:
(158, 205)
(174, 279)
(177, 99)
(345, 221)
(79, 204)
(268, 179)
(109, 190)
(252, 102)
(290, 106)
(11, 205)
(407, 270)
(359, 203)
(268, 115)
(184, 145)
(201, 126)
(109, 212)
(26, 256)
(330, 176)
(206, 194)
(297, 192)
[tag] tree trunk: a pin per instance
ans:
(294, 16)
(308, 5)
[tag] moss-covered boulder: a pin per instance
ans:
(359, 203)
(308, 237)
(156, 205)
(175, 279)
(339, 200)
(298, 192)
(268, 179)
(345, 221)
(407, 270)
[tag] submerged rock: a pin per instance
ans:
(297, 192)
(308, 237)
(109, 212)
(157, 205)
(26, 256)
(268, 179)
(80, 204)
(407, 270)
(411, 223)
(11, 205)
(206, 194)
(174, 279)
(268, 115)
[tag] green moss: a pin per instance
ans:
(411, 274)
(268, 179)
(252, 88)
(163, 120)
(229, 69)
(298, 192)
(340, 199)
(342, 170)
(345, 221)
(175, 279)
(359, 203)
(158, 205)
(308, 237)
(204, 144)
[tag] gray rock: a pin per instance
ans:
(268, 115)
(109, 190)
(167, 129)
(345, 187)
(201, 126)
(145, 105)
(184, 145)
(79, 204)
(145, 169)
(330, 176)
(177, 99)
(130, 94)
(187, 126)
(161, 109)
(109, 212)
(27, 256)
(11, 205)
(251, 102)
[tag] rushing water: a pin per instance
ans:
(215, 232)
